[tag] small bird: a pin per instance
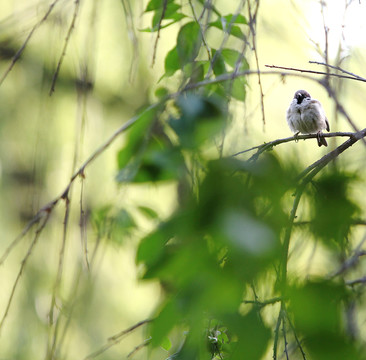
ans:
(306, 115)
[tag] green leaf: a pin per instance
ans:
(175, 18)
(148, 212)
(231, 57)
(159, 163)
(188, 42)
(170, 12)
(253, 336)
(238, 89)
(234, 19)
(194, 71)
(171, 62)
(166, 344)
(156, 4)
(163, 323)
(201, 118)
(316, 307)
(219, 67)
(151, 247)
(226, 23)
(101, 220)
(161, 92)
(334, 207)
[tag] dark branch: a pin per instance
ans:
(340, 69)
(316, 72)
(271, 144)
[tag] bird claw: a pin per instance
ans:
(296, 136)
(321, 139)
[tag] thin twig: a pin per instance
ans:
(165, 5)
(298, 342)
(201, 31)
(315, 72)
(139, 347)
(60, 260)
(340, 69)
(22, 267)
(284, 337)
(252, 22)
(19, 53)
(82, 224)
(66, 43)
(264, 302)
(132, 35)
(43, 212)
(115, 339)
(276, 334)
(268, 146)
(356, 281)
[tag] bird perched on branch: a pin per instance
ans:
(306, 115)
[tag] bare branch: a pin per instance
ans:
(340, 69)
(63, 53)
(165, 4)
(356, 281)
(252, 22)
(19, 53)
(264, 302)
(115, 339)
(271, 144)
(22, 267)
(316, 72)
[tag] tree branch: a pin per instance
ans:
(113, 340)
(317, 72)
(271, 144)
(356, 77)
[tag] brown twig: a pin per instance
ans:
(22, 267)
(63, 53)
(268, 146)
(115, 339)
(19, 53)
(315, 72)
(252, 22)
(340, 69)
(165, 4)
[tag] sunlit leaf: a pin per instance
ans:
(157, 4)
(219, 67)
(231, 57)
(175, 18)
(172, 62)
(169, 13)
(238, 90)
(226, 23)
(166, 344)
(188, 42)
(148, 212)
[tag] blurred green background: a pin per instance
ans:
(106, 75)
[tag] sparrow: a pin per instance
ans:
(306, 115)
